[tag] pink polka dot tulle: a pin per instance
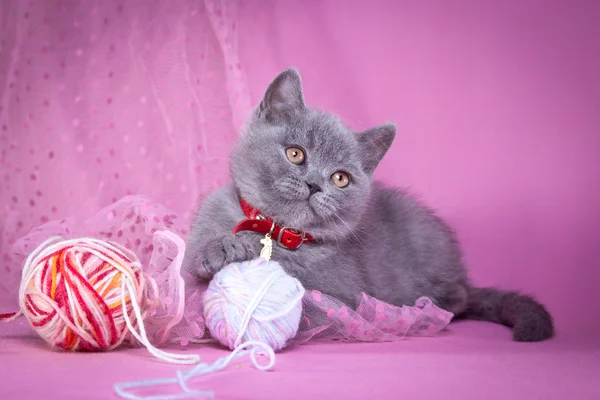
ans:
(116, 117)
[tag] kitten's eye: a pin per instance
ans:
(340, 179)
(295, 155)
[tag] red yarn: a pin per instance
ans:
(7, 316)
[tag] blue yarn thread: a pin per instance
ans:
(183, 376)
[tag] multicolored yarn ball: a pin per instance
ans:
(253, 301)
(77, 293)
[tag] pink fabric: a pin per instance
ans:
(100, 101)
(471, 360)
(373, 320)
(164, 269)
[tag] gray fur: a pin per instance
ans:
(369, 238)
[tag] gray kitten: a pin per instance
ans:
(306, 170)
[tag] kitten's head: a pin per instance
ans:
(303, 167)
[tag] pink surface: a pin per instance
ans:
(471, 361)
(497, 108)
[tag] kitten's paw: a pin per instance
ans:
(219, 252)
(241, 247)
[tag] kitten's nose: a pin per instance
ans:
(313, 188)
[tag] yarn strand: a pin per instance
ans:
(253, 348)
(260, 293)
(143, 338)
(10, 316)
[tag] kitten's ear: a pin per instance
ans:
(283, 96)
(374, 143)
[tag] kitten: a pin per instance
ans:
(304, 169)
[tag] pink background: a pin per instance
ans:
(496, 105)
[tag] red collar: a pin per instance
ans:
(258, 222)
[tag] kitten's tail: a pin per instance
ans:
(530, 320)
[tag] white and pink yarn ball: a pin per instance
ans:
(253, 301)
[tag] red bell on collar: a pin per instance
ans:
(258, 222)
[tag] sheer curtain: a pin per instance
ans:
(100, 100)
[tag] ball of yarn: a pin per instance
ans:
(72, 293)
(253, 301)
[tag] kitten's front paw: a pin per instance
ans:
(219, 252)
